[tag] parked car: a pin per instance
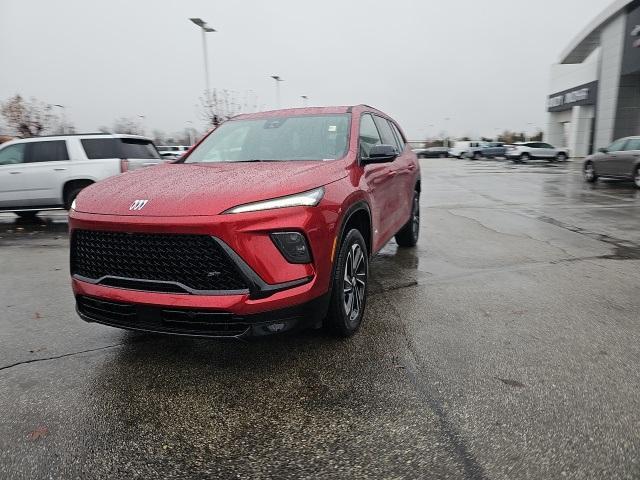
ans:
(44, 173)
(267, 225)
(619, 160)
(173, 148)
(523, 151)
(432, 152)
(487, 150)
(171, 155)
(462, 148)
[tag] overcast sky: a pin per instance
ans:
(483, 64)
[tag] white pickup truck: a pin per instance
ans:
(45, 173)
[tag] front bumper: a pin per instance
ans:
(275, 285)
(200, 323)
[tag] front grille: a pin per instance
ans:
(143, 261)
(158, 319)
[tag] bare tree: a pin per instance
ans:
(128, 126)
(218, 106)
(29, 118)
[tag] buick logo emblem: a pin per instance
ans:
(138, 204)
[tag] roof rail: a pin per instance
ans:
(72, 134)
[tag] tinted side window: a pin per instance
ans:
(97, 148)
(386, 134)
(545, 145)
(401, 140)
(369, 135)
(12, 154)
(617, 145)
(134, 148)
(633, 144)
(52, 151)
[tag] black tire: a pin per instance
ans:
(443, 155)
(636, 177)
(27, 215)
(71, 196)
(477, 156)
(410, 232)
(462, 155)
(525, 157)
(590, 174)
(346, 308)
(561, 157)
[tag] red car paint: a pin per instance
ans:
(191, 199)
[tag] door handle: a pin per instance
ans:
(59, 169)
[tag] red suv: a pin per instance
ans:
(267, 224)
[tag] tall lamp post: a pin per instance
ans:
(64, 116)
(278, 80)
(204, 28)
(304, 98)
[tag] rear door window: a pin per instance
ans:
(97, 148)
(50, 151)
(137, 148)
(633, 144)
(12, 154)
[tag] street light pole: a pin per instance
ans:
(304, 100)
(204, 28)
(64, 117)
(278, 80)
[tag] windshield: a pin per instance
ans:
(305, 137)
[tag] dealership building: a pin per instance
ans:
(594, 96)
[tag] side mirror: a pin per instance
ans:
(603, 150)
(381, 154)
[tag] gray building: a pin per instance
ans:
(595, 87)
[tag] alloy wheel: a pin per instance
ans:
(354, 282)
(415, 216)
(588, 171)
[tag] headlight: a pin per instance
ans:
(304, 199)
(73, 204)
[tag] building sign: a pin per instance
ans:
(631, 56)
(581, 95)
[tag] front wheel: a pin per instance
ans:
(349, 286)
(590, 172)
(636, 177)
(477, 156)
(561, 157)
(410, 232)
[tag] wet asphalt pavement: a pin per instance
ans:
(506, 346)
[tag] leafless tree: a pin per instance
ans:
(218, 106)
(128, 126)
(29, 118)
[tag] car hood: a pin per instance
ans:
(204, 189)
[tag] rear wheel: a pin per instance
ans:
(590, 172)
(410, 232)
(349, 286)
(27, 215)
(561, 157)
(525, 157)
(477, 156)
